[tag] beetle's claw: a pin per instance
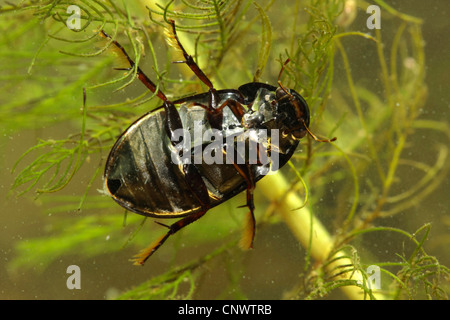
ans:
(144, 254)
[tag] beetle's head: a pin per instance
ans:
(292, 113)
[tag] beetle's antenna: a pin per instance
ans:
(315, 137)
(290, 95)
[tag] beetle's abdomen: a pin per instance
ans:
(141, 175)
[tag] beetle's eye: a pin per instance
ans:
(279, 93)
(298, 134)
(282, 116)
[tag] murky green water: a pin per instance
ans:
(42, 237)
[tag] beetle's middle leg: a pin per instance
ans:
(250, 226)
(188, 59)
(214, 97)
(246, 173)
(215, 116)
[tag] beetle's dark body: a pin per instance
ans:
(142, 176)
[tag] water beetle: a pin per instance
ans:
(155, 171)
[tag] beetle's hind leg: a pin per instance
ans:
(198, 188)
(146, 253)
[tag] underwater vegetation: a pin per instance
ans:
(355, 218)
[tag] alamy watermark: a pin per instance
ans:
(250, 146)
(374, 21)
(73, 22)
(373, 280)
(74, 280)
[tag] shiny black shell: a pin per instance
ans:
(141, 176)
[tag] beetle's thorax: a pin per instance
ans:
(262, 110)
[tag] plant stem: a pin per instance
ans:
(321, 242)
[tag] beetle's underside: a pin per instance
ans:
(147, 172)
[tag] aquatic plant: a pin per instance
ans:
(338, 199)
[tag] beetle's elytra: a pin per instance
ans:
(142, 176)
